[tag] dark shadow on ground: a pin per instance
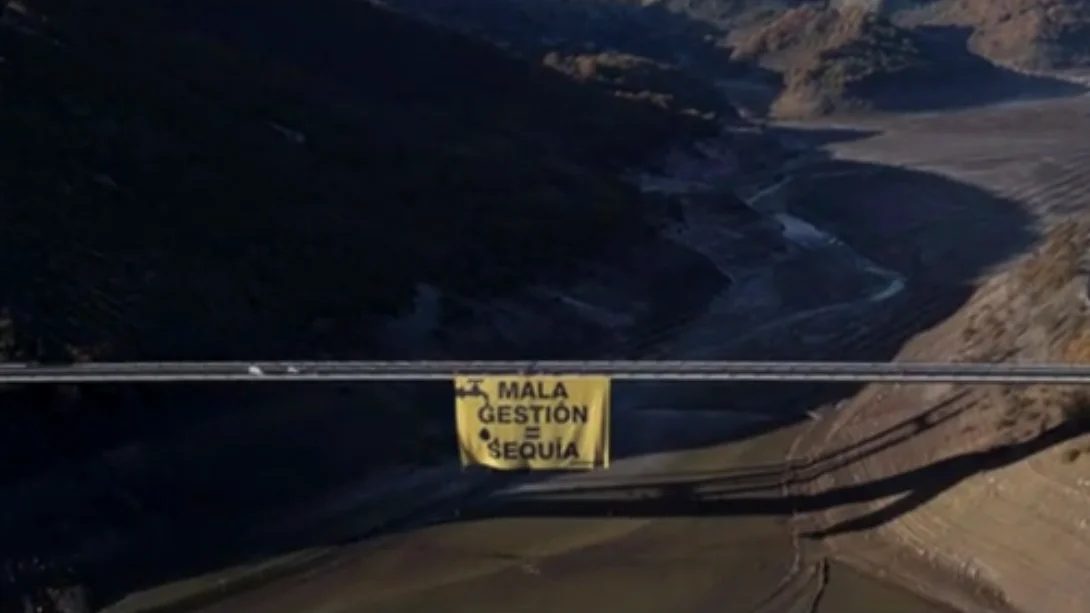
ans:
(191, 508)
(767, 478)
(654, 31)
(959, 79)
(719, 496)
(944, 76)
(188, 501)
(187, 508)
(594, 26)
(817, 137)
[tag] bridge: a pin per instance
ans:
(688, 370)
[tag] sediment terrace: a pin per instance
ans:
(979, 490)
(946, 203)
(962, 494)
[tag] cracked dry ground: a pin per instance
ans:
(945, 200)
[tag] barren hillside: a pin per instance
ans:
(1034, 34)
(854, 59)
(994, 487)
(792, 58)
(254, 186)
(262, 179)
(638, 78)
(211, 180)
(183, 186)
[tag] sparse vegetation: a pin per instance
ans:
(638, 78)
(811, 29)
(838, 59)
(1036, 34)
(1056, 262)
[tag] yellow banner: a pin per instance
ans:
(535, 423)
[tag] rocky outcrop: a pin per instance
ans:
(857, 59)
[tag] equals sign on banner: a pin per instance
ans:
(533, 433)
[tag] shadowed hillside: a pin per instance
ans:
(853, 59)
(260, 180)
(787, 58)
(1034, 34)
(169, 195)
(638, 78)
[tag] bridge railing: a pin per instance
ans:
(299, 371)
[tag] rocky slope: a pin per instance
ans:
(853, 59)
(978, 460)
(1032, 34)
(785, 58)
(928, 478)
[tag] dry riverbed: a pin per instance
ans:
(686, 563)
(693, 551)
(939, 203)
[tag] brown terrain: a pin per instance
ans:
(829, 57)
(187, 184)
(851, 60)
(920, 485)
(1033, 34)
(980, 484)
(807, 58)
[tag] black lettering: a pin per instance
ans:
(548, 451)
(533, 390)
(512, 414)
(511, 451)
(522, 414)
(560, 391)
(509, 389)
(556, 449)
(580, 413)
(486, 414)
(537, 410)
(561, 414)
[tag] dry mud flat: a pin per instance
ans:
(977, 495)
(593, 543)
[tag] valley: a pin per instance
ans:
(662, 182)
(695, 548)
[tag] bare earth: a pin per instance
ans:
(974, 497)
(982, 483)
(648, 564)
